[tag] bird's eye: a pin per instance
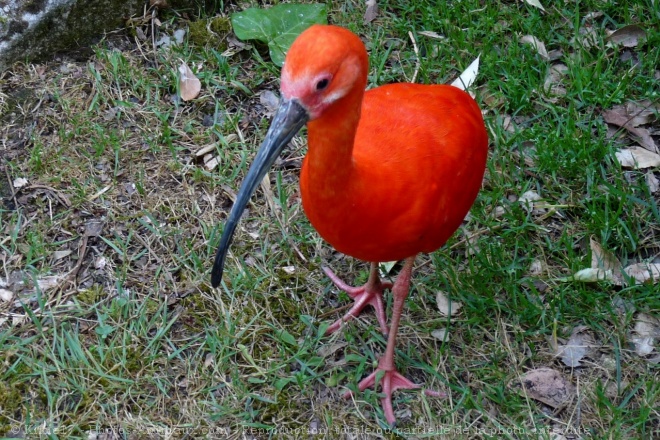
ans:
(322, 84)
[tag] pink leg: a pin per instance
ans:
(392, 380)
(369, 294)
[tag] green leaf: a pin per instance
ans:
(277, 26)
(287, 338)
(282, 382)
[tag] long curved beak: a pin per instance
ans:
(288, 120)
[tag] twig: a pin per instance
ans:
(11, 184)
(412, 38)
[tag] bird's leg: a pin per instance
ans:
(391, 379)
(369, 294)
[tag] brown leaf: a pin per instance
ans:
(20, 182)
(553, 78)
(619, 116)
(637, 158)
(642, 112)
(372, 11)
(603, 259)
(536, 44)
(535, 3)
(628, 36)
(48, 282)
(576, 348)
(588, 37)
(592, 275)
(6, 295)
(469, 75)
(432, 34)
(591, 16)
(548, 386)
(644, 272)
(652, 182)
(536, 268)
(270, 101)
(530, 201)
(189, 85)
(161, 4)
(645, 333)
(93, 228)
(446, 306)
(440, 334)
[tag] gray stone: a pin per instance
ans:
(36, 29)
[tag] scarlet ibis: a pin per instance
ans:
(389, 173)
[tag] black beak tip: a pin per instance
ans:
(216, 272)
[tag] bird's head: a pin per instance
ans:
(324, 66)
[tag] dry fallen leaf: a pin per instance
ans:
(329, 349)
(528, 201)
(535, 3)
(536, 44)
(212, 163)
(628, 36)
(553, 79)
(49, 282)
(205, 150)
(372, 11)
(620, 117)
(446, 306)
(270, 101)
(642, 112)
(576, 347)
(440, 334)
(652, 182)
(58, 255)
(432, 34)
(100, 263)
(637, 158)
(644, 272)
(189, 85)
(589, 37)
(646, 331)
(499, 211)
(468, 76)
(592, 275)
(289, 269)
(6, 295)
(20, 182)
(548, 386)
(536, 268)
(602, 258)
(386, 267)
(604, 266)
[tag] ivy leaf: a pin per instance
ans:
(277, 26)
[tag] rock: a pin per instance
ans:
(35, 30)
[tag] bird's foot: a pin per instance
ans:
(390, 381)
(369, 294)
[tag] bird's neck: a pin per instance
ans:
(331, 138)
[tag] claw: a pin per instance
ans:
(369, 294)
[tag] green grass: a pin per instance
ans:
(132, 339)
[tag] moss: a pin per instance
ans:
(134, 362)
(91, 295)
(211, 31)
(221, 26)
(152, 306)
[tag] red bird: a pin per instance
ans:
(389, 173)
